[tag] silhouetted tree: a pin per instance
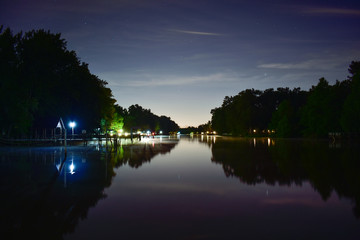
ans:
(281, 120)
(350, 117)
(322, 111)
(43, 81)
(253, 110)
(143, 119)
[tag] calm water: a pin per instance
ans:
(187, 188)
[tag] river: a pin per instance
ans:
(205, 187)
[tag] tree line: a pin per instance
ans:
(284, 112)
(41, 81)
(137, 117)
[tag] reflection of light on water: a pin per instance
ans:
(72, 167)
(254, 140)
(269, 142)
(145, 139)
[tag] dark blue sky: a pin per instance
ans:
(180, 58)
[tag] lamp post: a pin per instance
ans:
(72, 125)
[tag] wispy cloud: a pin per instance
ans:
(305, 65)
(196, 32)
(150, 80)
(331, 11)
(177, 81)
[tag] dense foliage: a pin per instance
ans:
(41, 81)
(137, 118)
(292, 113)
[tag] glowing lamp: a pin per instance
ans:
(72, 124)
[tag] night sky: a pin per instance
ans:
(180, 58)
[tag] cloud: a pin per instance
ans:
(177, 81)
(196, 32)
(322, 64)
(141, 79)
(280, 66)
(331, 11)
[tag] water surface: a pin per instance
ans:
(189, 188)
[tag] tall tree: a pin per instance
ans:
(42, 81)
(15, 108)
(282, 120)
(350, 117)
(317, 110)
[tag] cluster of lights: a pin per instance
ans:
(209, 132)
(263, 131)
(122, 133)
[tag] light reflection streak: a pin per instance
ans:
(72, 167)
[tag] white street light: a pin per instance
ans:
(72, 125)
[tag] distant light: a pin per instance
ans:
(161, 132)
(178, 133)
(72, 124)
(145, 139)
(254, 130)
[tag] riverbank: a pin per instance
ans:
(110, 141)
